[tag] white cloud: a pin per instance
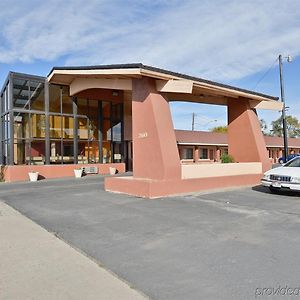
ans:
(222, 40)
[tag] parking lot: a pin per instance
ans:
(220, 245)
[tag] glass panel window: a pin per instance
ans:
(21, 93)
(116, 113)
(2, 128)
(55, 126)
(68, 150)
(106, 150)
(117, 132)
(224, 151)
(20, 153)
(6, 127)
(93, 125)
(83, 128)
(6, 106)
(37, 99)
(21, 125)
(67, 101)
(117, 152)
(2, 104)
(54, 98)
(38, 125)
(83, 152)
(106, 130)
(82, 107)
(93, 152)
(203, 153)
(187, 153)
(68, 127)
(55, 152)
(37, 152)
(93, 109)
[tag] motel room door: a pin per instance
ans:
(211, 154)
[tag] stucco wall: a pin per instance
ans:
(219, 169)
(20, 173)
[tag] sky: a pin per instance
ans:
(234, 42)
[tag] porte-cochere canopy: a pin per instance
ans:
(156, 165)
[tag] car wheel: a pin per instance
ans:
(280, 161)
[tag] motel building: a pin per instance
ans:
(208, 147)
(119, 116)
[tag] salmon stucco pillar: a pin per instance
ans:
(196, 154)
(245, 139)
(218, 154)
(155, 153)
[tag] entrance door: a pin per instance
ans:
(128, 155)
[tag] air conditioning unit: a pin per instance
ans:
(90, 170)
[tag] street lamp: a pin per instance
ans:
(284, 128)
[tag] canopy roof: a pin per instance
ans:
(176, 86)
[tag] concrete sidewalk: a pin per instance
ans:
(34, 264)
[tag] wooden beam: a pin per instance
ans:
(174, 86)
(270, 104)
(213, 91)
(218, 100)
(81, 84)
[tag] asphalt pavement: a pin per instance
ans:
(224, 245)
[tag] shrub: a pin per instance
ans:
(226, 158)
(2, 169)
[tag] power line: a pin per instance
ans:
(265, 74)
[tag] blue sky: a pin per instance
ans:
(233, 42)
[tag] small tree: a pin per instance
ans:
(226, 158)
(219, 129)
(292, 124)
(2, 175)
(263, 126)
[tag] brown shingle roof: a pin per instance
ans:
(200, 137)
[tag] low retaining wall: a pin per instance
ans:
(189, 171)
(159, 188)
(20, 173)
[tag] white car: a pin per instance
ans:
(286, 177)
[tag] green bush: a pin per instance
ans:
(226, 158)
(2, 169)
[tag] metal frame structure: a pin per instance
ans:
(7, 111)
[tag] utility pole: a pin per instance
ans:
(193, 122)
(285, 139)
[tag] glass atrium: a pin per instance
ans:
(41, 124)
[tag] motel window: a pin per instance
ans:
(203, 153)
(224, 151)
(187, 153)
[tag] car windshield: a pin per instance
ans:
(293, 163)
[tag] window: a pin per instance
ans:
(97, 127)
(203, 153)
(54, 98)
(28, 94)
(187, 153)
(224, 151)
(21, 93)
